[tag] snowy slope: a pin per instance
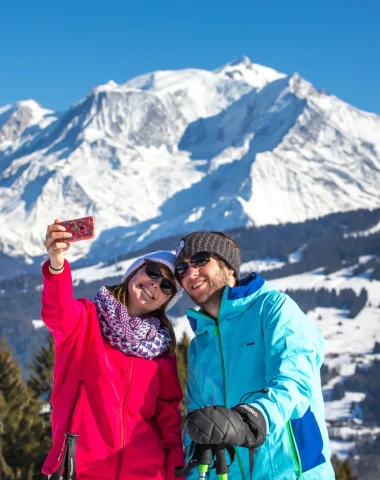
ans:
(21, 122)
(169, 152)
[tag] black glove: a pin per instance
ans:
(215, 424)
(243, 425)
(255, 425)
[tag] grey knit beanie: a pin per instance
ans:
(212, 242)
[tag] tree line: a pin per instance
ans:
(345, 299)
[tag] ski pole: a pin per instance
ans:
(222, 469)
(204, 461)
(67, 468)
(199, 456)
(70, 463)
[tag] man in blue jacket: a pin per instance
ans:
(253, 369)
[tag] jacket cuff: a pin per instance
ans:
(174, 458)
(263, 412)
(47, 273)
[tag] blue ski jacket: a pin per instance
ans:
(260, 340)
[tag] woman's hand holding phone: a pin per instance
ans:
(56, 244)
(61, 234)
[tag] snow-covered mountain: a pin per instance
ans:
(174, 151)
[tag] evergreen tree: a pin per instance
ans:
(343, 470)
(41, 371)
(20, 418)
(40, 384)
(5, 469)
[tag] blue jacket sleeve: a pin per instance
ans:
(294, 354)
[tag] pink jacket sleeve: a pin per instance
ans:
(168, 417)
(61, 313)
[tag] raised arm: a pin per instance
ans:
(61, 312)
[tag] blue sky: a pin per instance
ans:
(55, 51)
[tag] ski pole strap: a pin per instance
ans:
(199, 455)
(202, 455)
(191, 463)
(68, 464)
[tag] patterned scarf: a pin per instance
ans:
(140, 337)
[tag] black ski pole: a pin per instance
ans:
(68, 464)
(204, 461)
(199, 456)
(222, 469)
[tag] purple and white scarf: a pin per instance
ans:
(140, 337)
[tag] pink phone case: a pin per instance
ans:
(80, 228)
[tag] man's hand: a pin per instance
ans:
(215, 424)
(255, 425)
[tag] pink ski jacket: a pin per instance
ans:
(124, 408)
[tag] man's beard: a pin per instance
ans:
(212, 296)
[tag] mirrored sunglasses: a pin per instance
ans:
(197, 260)
(153, 271)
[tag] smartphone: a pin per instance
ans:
(80, 228)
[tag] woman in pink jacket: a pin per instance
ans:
(115, 376)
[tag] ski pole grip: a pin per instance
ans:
(204, 459)
(203, 454)
(220, 461)
(69, 462)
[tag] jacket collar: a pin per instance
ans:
(234, 301)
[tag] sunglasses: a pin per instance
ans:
(154, 272)
(197, 260)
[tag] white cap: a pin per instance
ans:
(167, 259)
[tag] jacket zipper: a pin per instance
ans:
(293, 445)
(225, 392)
(122, 421)
(223, 364)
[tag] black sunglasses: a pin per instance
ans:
(197, 260)
(154, 272)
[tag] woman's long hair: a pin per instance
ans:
(120, 292)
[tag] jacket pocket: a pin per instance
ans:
(306, 442)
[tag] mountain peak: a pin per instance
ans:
(33, 108)
(251, 73)
(106, 87)
(240, 61)
(17, 121)
(29, 103)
